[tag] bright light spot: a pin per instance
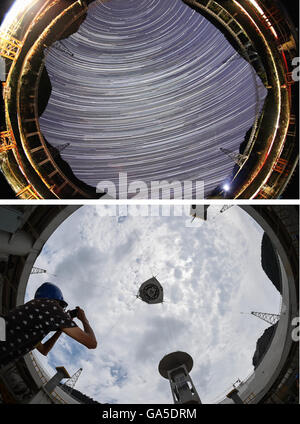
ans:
(18, 7)
(256, 5)
(226, 187)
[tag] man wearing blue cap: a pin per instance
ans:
(28, 324)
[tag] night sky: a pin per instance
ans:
(152, 89)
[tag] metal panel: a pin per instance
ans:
(10, 219)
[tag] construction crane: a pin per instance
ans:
(269, 318)
(237, 158)
(61, 47)
(69, 385)
(55, 151)
(225, 208)
(36, 270)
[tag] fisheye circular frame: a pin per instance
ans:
(263, 169)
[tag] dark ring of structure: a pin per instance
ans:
(258, 30)
(150, 292)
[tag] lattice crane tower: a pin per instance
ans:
(70, 383)
(270, 318)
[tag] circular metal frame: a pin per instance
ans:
(271, 155)
(274, 220)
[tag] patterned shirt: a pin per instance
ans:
(28, 324)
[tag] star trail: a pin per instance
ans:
(153, 89)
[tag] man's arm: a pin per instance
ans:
(86, 336)
(44, 348)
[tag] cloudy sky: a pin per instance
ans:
(210, 273)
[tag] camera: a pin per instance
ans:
(73, 313)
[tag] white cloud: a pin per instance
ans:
(209, 274)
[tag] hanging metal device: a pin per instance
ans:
(151, 291)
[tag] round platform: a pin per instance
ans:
(174, 360)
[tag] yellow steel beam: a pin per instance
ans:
(9, 46)
(28, 193)
(7, 141)
(281, 166)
